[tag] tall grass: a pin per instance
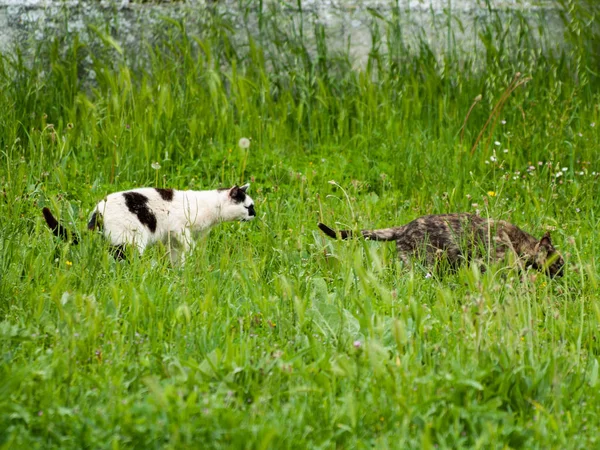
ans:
(270, 335)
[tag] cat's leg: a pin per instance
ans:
(404, 253)
(121, 239)
(455, 257)
(119, 252)
(180, 244)
(404, 257)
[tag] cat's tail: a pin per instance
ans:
(58, 229)
(384, 234)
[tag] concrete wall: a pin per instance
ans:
(25, 22)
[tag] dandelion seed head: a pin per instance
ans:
(244, 143)
(155, 165)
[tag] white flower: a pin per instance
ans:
(505, 150)
(503, 122)
(558, 174)
(244, 143)
(497, 143)
(564, 169)
(155, 165)
(593, 124)
(428, 275)
(357, 344)
(493, 158)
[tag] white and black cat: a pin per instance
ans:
(140, 217)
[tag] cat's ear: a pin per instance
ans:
(245, 187)
(545, 241)
(237, 194)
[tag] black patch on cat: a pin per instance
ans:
(138, 204)
(251, 211)
(165, 194)
(95, 222)
(57, 229)
(237, 194)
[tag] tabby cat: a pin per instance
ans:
(457, 238)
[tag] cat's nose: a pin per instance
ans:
(251, 211)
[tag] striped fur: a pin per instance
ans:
(457, 238)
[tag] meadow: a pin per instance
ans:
(272, 335)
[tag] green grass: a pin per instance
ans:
(272, 336)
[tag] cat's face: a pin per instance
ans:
(548, 259)
(237, 205)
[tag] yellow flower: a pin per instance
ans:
(491, 193)
(69, 263)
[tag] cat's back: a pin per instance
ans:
(443, 223)
(135, 198)
(442, 231)
(146, 204)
